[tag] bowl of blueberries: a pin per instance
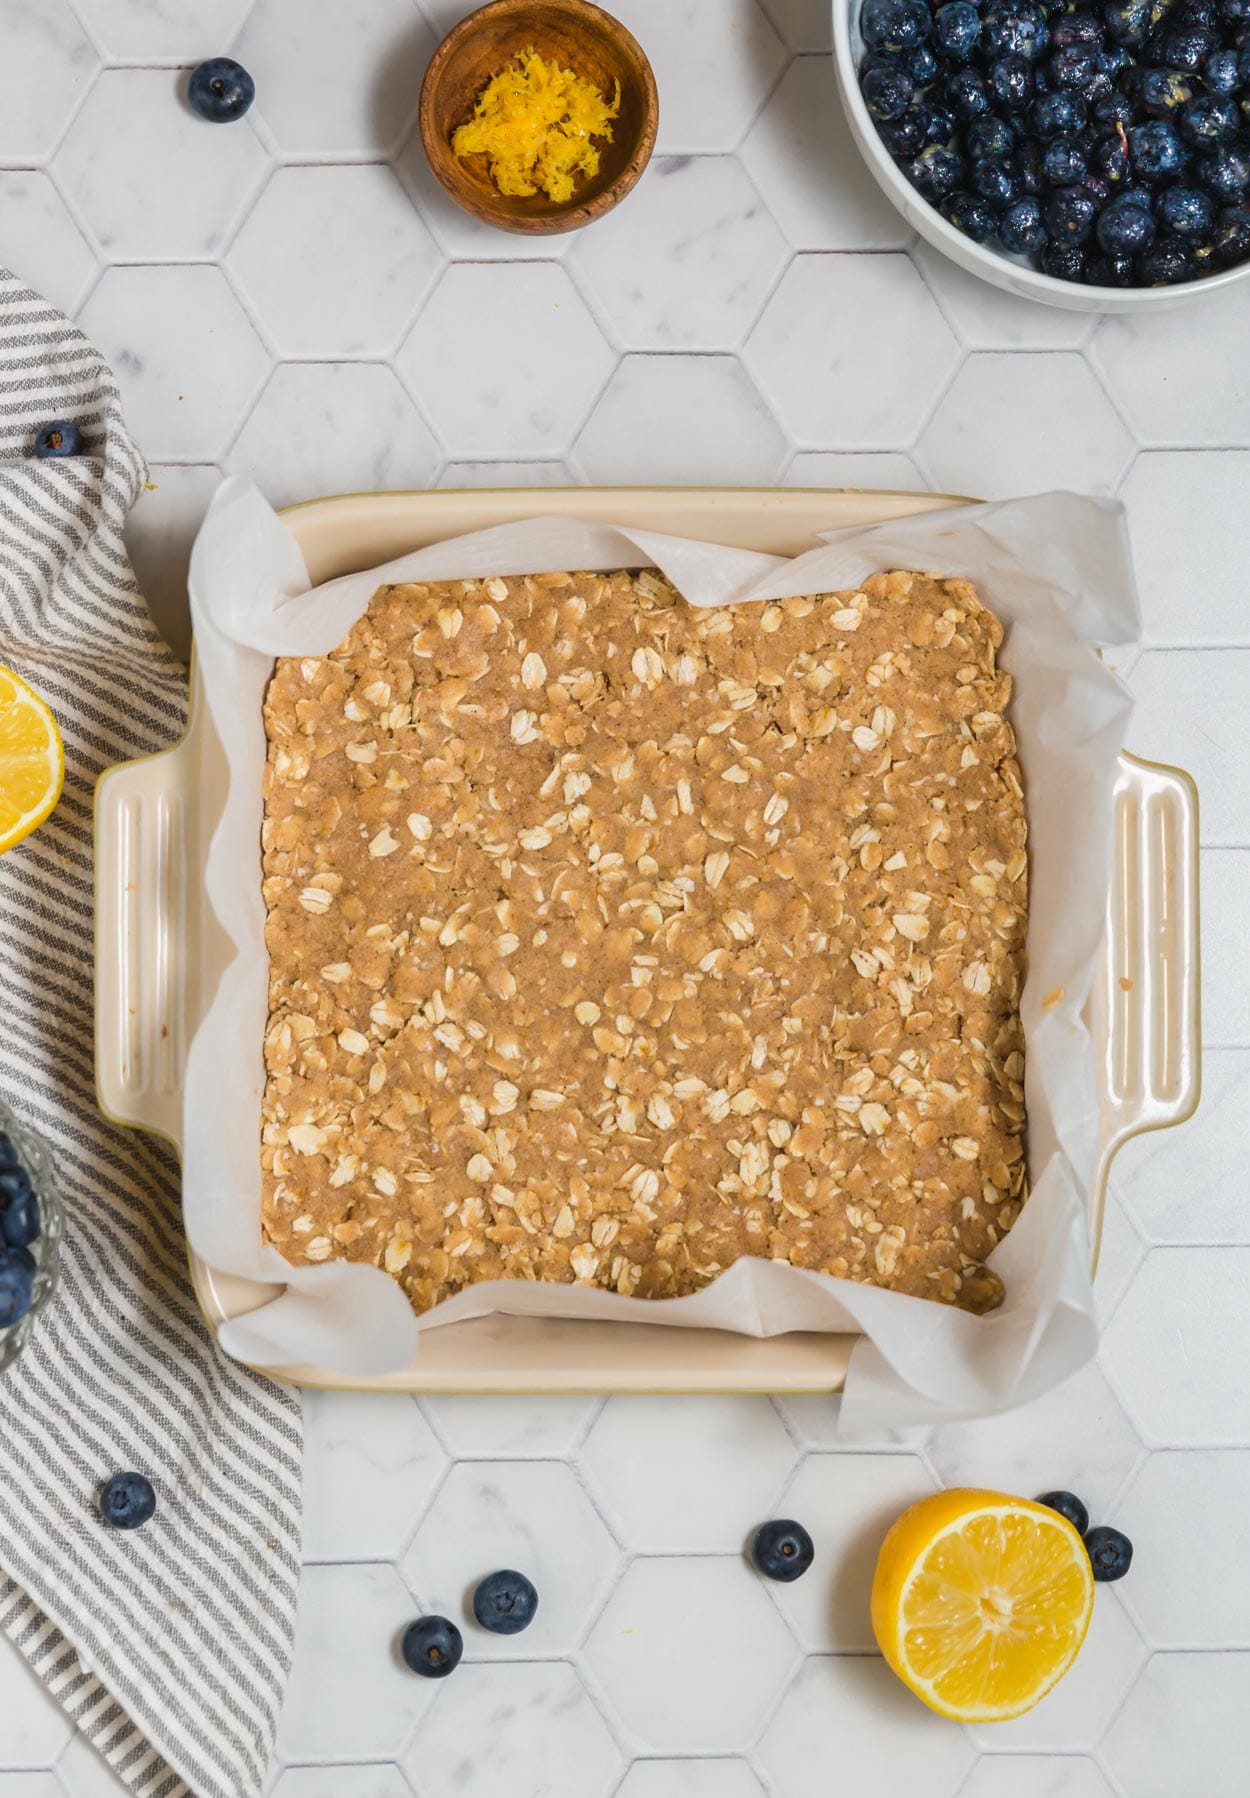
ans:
(1092, 154)
(30, 1233)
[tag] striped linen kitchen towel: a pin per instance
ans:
(169, 1646)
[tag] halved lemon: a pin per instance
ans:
(980, 1602)
(32, 760)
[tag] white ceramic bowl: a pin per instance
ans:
(979, 259)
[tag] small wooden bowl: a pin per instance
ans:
(580, 37)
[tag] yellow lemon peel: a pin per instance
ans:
(32, 760)
(534, 122)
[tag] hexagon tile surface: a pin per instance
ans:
(297, 298)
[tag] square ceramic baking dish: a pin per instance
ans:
(159, 953)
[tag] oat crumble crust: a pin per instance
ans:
(612, 938)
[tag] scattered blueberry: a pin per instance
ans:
(1110, 1552)
(505, 1602)
(127, 1501)
(1068, 1505)
(221, 90)
(60, 438)
(17, 1284)
(782, 1549)
(432, 1647)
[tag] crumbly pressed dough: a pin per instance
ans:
(612, 938)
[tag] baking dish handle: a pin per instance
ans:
(1146, 998)
(145, 980)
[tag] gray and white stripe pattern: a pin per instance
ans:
(170, 1645)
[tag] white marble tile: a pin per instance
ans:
(1035, 1776)
(154, 182)
(159, 533)
(724, 1461)
(377, 1781)
(350, 86)
(1077, 1711)
(334, 261)
(507, 474)
(1178, 1351)
(334, 427)
(988, 318)
(519, 1425)
(714, 61)
(1225, 897)
(1188, 1184)
(803, 24)
(1191, 710)
(1183, 1729)
(186, 358)
(175, 30)
(850, 1712)
(29, 1785)
(1076, 1438)
(1024, 424)
(830, 329)
(689, 262)
(671, 1615)
(811, 175)
(371, 1464)
(500, 1731)
(531, 1515)
(48, 65)
(505, 392)
(350, 1697)
(1183, 510)
(847, 1502)
(33, 1727)
(85, 1774)
(693, 420)
(1181, 376)
(884, 471)
(690, 1779)
(39, 241)
(1187, 1514)
(461, 235)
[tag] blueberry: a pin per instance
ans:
(1226, 175)
(60, 438)
(1127, 21)
(1111, 112)
(1010, 81)
(971, 215)
(1064, 162)
(432, 1647)
(1220, 72)
(967, 94)
(1051, 115)
(935, 173)
(921, 64)
(1114, 62)
(894, 24)
(782, 1549)
(1017, 28)
(1073, 66)
(1124, 228)
(1109, 160)
(1065, 261)
(1070, 216)
(990, 136)
(956, 27)
(908, 135)
(1110, 1553)
(17, 1284)
(1020, 230)
(1078, 27)
(1243, 67)
(505, 1602)
(995, 182)
(220, 90)
(19, 1211)
(1187, 47)
(1164, 264)
(127, 1501)
(8, 1154)
(942, 124)
(887, 88)
(1187, 212)
(1029, 163)
(1235, 12)
(1067, 1504)
(1232, 236)
(1209, 122)
(1162, 92)
(1156, 149)
(1111, 271)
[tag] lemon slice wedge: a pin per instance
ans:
(980, 1602)
(32, 760)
